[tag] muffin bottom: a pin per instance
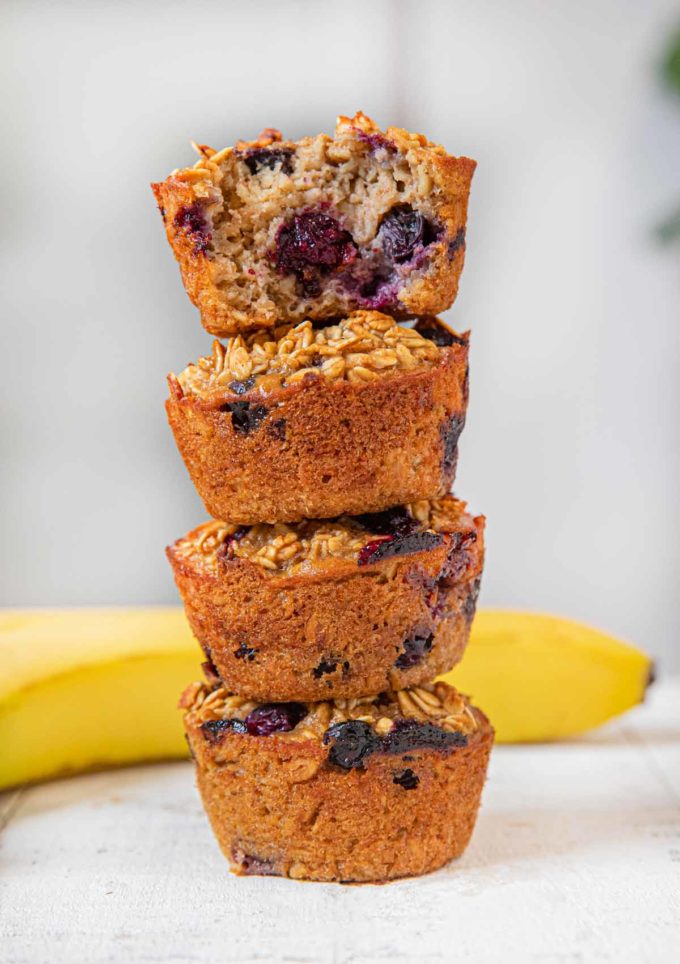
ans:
(296, 807)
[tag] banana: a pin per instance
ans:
(541, 678)
(86, 689)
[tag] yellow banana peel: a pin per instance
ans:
(541, 678)
(91, 688)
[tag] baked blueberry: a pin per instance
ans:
(215, 730)
(416, 648)
(269, 157)
(274, 718)
(311, 244)
(351, 743)
(402, 230)
(406, 779)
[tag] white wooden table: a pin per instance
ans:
(576, 857)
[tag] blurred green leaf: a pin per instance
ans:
(669, 230)
(670, 66)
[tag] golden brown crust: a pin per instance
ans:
(198, 209)
(283, 807)
(320, 449)
(338, 629)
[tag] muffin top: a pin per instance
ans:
(363, 347)
(291, 549)
(433, 716)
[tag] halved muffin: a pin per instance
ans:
(335, 608)
(272, 230)
(367, 789)
(314, 423)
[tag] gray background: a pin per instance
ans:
(571, 447)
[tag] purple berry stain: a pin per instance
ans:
(192, 220)
(456, 243)
(250, 864)
(274, 718)
(376, 142)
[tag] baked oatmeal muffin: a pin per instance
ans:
(333, 609)
(273, 231)
(313, 423)
(366, 789)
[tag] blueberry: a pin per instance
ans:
(408, 734)
(250, 864)
(416, 648)
(450, 433)
(260, 157)
(210, 672)
(396, 521)
(406, 779)
(376, 142)
(435, 332)
(310, 245)
(325, 666)
(274, 718)
(458, 557)
(245, 652)
(215, 730)
(241, 387)
(277, 429)
(402, 230)
(456, 243)
(226, 550)
(388, 546)
(245, 417)
(351, 742)
(470, 603)
(192, 220)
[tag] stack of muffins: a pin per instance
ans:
(339, 576)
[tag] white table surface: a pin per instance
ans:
(576, 857)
